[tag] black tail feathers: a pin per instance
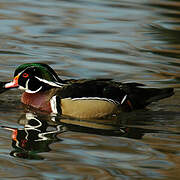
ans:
(141, 96)
(157, 94)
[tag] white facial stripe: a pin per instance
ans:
(27, 84)
(22, 71)
(22, 88)
(49, 82)
(95, 98)
(29, 91)
(54, 77)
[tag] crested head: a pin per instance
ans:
(42, 70)
(35, 77)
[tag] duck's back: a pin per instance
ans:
(104, 96)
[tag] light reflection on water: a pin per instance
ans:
(124, 40)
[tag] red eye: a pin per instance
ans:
(25, 75)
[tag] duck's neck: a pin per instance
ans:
(39, 100)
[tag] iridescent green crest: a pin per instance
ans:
(46, 71)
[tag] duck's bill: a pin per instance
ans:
(12, 84)
(8, 85)
(4, 86)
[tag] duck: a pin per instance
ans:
(80, 98)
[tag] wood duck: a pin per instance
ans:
(83, 98)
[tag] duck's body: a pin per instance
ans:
(80, 98)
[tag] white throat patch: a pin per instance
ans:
(28, 90)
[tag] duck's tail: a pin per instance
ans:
(157, 94)
(142, 96)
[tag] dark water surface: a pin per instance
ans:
(132, 40)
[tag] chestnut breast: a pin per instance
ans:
(37, 100)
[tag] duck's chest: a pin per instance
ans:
(37, 100)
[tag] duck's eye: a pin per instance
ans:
(25, 75)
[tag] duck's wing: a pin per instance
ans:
(136, 94)
(87, 98)
(96, 88)
(98, 98)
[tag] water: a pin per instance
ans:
(125, 40)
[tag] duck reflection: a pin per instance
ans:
(102, 127)
(34, 137)
(39, 131)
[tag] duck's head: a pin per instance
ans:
(34, 77)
